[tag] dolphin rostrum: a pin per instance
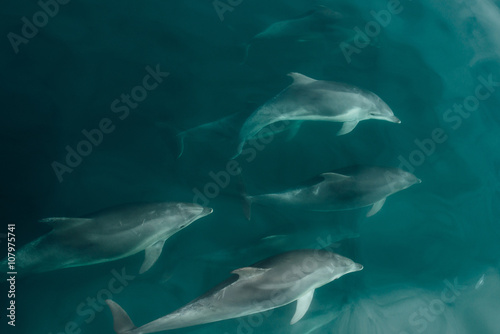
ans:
(307, 99)
(349, 188)
(266, 285)
(108, 235)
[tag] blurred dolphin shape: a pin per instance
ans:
(266, 285)
(311, 26)
(222, 129)
(278, 243)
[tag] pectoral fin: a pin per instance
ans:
(347, 127)
(152, 253)
(376, 208)
(303, 304)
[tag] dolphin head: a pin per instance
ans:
(331, 266)
(399, 179)
(380, 110)
(340, 265)
(172, 217)
(190, 212)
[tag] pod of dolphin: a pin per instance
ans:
(120, 232)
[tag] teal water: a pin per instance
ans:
(428, 60)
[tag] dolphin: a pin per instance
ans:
(266, 285)
(311, 26)
(350, 188)
(107, 235)
(307, 99)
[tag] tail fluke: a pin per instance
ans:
(245, 199)
(178, 135)
(247, 207)
(247, 49)
(238, 150)
(180, 142)
(121, 321)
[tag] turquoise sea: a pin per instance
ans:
(147, 74)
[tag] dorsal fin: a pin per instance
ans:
(334, 177)
(300, 79)
(249, 272)
(59, 222)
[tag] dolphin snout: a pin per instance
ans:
(357, 267)
(394, 119)
(206, 211)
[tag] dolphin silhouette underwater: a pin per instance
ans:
(107, 235)
(350, 188)
(268, 284)
(222, 130)
(312, 25)
(307, 99)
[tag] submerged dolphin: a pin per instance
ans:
(310, 26)
(266, 285)
(307, 99)
(350, 188)
(108, 235)
(223, 129)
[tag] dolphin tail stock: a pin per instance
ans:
(121, 321)
(177, 134)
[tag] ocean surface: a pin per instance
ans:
(150, 73)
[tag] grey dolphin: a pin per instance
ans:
(266, 285)
(347, 189)
(307, 99)
(107, 235)
(310, 26)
